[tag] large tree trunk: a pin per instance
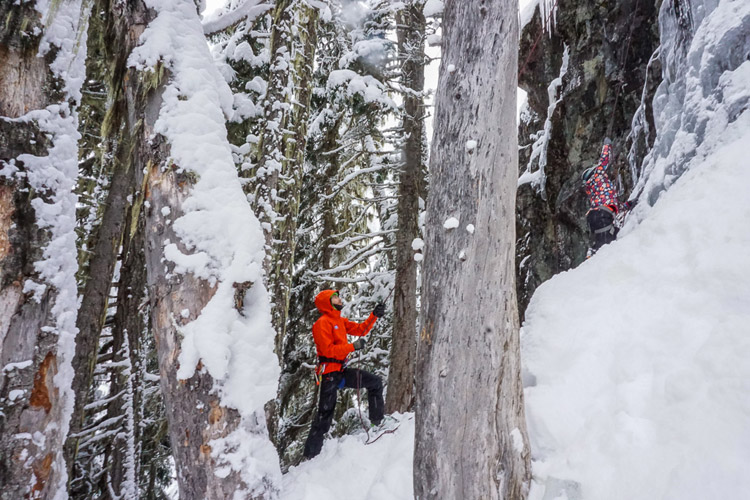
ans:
(195, 415)
(38, 160)
(410, 32)
(213, 443)
(471, 438)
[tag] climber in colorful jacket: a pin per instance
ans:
(605, 204)
(329, 334)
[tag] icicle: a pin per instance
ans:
(639, 126)
(539, 148)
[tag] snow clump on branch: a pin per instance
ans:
(433, 8)
(368, 87)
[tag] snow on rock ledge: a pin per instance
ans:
(705, 85)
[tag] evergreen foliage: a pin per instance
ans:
(316, 133)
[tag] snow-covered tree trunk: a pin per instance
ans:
(195, 415)
(470, 431)
(276, 111)
(42, 48)
(410, 32)
(204, 252)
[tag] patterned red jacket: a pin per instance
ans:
(599, 188)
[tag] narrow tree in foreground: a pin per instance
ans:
(410, 31)
(471, 440)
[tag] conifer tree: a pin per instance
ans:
(410, 31)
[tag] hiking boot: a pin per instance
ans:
(387, 423)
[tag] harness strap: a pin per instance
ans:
(608, 208)
(324, 359)
(605, 229)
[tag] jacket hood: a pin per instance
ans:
(323, 302)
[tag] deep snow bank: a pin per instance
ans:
(640, 355)
(638, 384)
(347, 468)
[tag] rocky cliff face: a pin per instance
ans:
(589, 72)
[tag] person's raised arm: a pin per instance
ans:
(606, 152)
(362, 329)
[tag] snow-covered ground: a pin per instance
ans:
(347, 468)
(637, 361)
(638, 384)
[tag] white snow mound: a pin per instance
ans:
(638, 384)
(347, 468)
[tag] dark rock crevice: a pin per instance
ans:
(608, 47)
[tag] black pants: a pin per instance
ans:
(328, 392)
(602, 225)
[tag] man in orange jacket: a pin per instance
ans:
(329, 334)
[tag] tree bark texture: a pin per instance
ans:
(410, 32)
(194, 412)
(115, 36)
(471, 440)
(33, 408)
(292, 168)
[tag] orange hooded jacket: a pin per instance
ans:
(330, 332)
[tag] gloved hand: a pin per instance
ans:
(607, 141)
(379, 310)
(359, 344)
(630, 204)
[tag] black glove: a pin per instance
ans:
(359, 344)
(379, 310)
(630, 204)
